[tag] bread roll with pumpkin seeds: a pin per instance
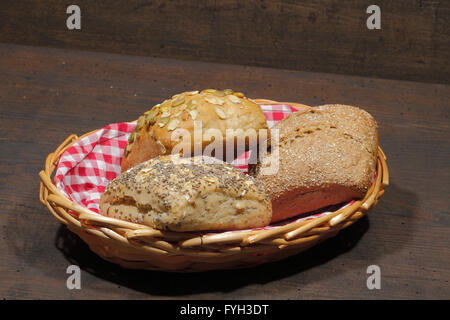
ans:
(169, 126)
(187, 194)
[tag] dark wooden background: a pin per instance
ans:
(317, 35)
(47, 94)
(124, 63)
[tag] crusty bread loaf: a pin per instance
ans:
(160, 129)
(187, 194)
(327, 155)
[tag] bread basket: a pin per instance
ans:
(137, 246)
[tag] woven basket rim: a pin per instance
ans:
(139, 246)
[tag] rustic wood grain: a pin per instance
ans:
(318, 35)
(47, 94)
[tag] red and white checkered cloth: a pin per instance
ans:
(85, 169)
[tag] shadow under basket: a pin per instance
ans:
(137, 246)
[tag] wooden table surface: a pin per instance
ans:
(47, 94)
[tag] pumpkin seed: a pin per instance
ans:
(163, 121)
(193, 114)
(191, 93)
(220, 113)
(151, 115)
(220, 93)
(127, 149)
(165, 106)
(173, 124)
(238, 94)
(178, 114)
(165, 114)
(140, 123)
(177, 101)
(191, 105)
(215, 100)
(162, 147)
(131, 137)
(234, 99)
(153, 110)
(228, 91)
(209, 90)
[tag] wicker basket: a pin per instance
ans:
(137, 246)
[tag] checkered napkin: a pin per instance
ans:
(85, 168)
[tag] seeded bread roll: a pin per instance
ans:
(187, 194)
(327, 155)
(164, 127)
